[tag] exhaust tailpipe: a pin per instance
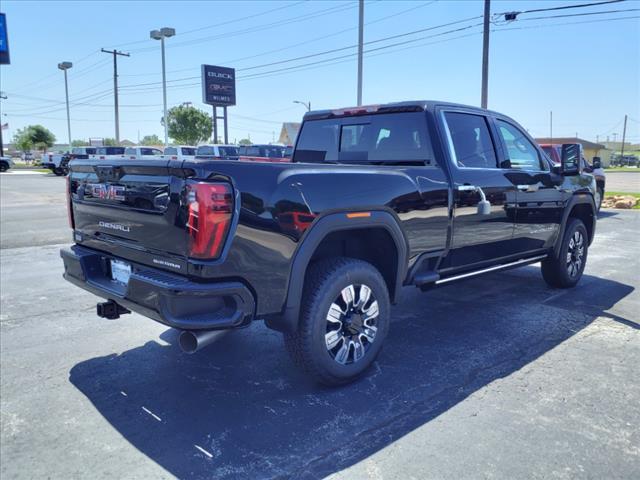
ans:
(193, 340)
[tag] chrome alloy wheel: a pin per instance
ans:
(575, 254)
(351, 324)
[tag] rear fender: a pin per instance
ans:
(288, 321)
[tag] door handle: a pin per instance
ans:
(484, 206)
(527, 188)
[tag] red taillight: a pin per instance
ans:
(72, 224)
(210, 211)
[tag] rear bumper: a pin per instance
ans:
(170, 299)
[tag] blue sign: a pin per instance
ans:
(218, 85)
(4, 40)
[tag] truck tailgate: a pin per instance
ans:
(135, 203)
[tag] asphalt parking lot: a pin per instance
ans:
(497, 377)
(627, 182)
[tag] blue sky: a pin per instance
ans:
(584, 68)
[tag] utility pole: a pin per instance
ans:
(485, 54)
(360, 44)
(2, 97)
(115, 54)
(624, 136)
(551, 127)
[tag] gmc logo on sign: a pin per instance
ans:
(106, 192)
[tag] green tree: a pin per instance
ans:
(42, 138)
(110, 142)
(151, 140)
(33, 136)
(188, 125)
(22, 139)
(78, 143)
(244, 141)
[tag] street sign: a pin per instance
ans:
(218, 86)
(4, 41)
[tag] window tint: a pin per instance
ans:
(111, 150)
(205, 150)
(130, 151)
(383, 138)
(522, 154)
(170, 151)
(150, 151)
(471, 141)
(253, 152)
(228, 151)
(188, 151)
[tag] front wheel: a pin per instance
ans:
(4, 167)
(59, 171)
(565, 270)
(344, 320)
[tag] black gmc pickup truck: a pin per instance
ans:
(413, 193)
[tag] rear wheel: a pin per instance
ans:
(565, 270)
(344, 320)
(3, 167)
(59, 171)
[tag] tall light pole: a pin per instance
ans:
(306, 105)
(64, 66)
(161, 34)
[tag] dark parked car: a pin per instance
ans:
(375, 198)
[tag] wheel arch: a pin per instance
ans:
(338, 234)
(579, 206)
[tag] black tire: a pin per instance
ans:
(58, 171)
(309, 346)
(565, 270)
(4, 167)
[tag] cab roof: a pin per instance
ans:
(407, 106)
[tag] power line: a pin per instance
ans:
(215, 25)
(258, 28)
(564, 7)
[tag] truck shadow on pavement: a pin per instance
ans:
(239, 409)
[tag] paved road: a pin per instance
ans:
(33, 210)
(499, 377)
(623, 182)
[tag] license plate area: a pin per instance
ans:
(120, 271)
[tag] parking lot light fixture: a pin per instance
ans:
(64, 66)
(164, 32)
(306, 105)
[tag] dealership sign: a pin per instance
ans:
(218, 86)
(4, 40)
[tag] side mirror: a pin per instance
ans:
(597, 163)
(570, 158)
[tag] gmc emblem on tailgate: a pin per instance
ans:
(105, 191)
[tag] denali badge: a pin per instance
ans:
(114, 226)
(106, 191)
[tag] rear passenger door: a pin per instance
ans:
(478, 236)
(539, 197)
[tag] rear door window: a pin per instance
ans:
(130, 151)
(188, 151)
(469, 140)
(150, 151)
(170, 151)
(380, 139)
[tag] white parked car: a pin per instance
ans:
(58, 163)
(142, 152)
(218, 152)
(108, 153)
(180, 152)
(5, 163)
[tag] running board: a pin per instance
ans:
(495, 268)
